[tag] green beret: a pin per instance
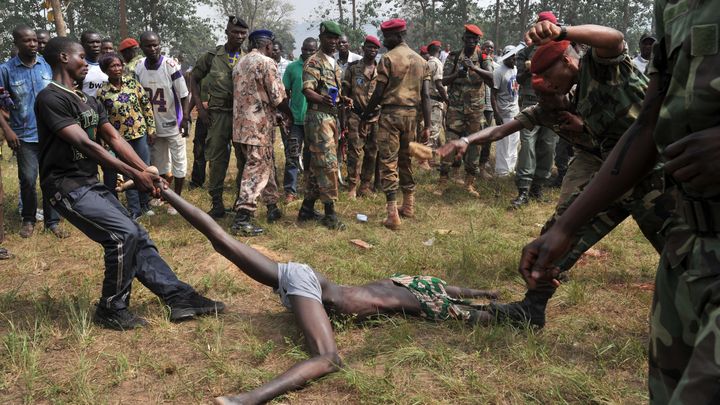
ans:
(330, 27)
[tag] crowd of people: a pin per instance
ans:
(628, 137)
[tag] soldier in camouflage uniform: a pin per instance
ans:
(617, 87)
(258, 93)
(320, 74)
(403, 87)
(217, 66)
(466, 73)
(438, 95)
(359, 84)
(680, 124)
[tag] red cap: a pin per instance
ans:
(546, 55)
(423, 49)
(473, 29)
(394, 25)
(436, 43)
(373, 40)
(540, 85)
(128, 43)
(547, 16)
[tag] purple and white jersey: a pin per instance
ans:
(165, 85)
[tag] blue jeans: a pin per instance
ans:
(28, 155)
(293, 144)
(129, 252)
(137, 202)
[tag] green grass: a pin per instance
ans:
(591, 351)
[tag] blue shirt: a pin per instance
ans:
(24, 83)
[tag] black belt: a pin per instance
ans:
(323, 108)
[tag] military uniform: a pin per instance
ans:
(321, 131)
(684, 333)
(403, 72)
(217, 66)
(437, 104)
(362, 143)
(258, 91)
(465, 109)
(537, 144)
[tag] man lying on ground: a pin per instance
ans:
(312, 298)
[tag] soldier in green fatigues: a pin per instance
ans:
(679, 124)
(217, 65)
(321, 76)
(465, 74)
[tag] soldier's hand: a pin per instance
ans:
(571, 122)
(538, 256)
(145, 182)
(203, 115)
(542, 33)
(327, 100)
(456, 148)
(425, 135)
(695, 159)
(498, 119)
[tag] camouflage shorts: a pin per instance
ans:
(435, 303)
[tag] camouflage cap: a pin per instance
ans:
(330, 27)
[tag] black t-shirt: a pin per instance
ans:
(63, 167)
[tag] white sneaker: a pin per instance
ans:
(149, 213)
(156, 202)
(172, 211)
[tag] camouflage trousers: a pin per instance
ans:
(684, 353)
(437, 115)
(321, 181)
(396, 129)
(2, 203)
(647, 203)
(362, 150)
(459, 123)
(257, 174)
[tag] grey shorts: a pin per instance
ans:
(297, 279)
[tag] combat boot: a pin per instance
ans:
(455, 175)
(536, 192)
(217, 210)
(273, 213)
(442, 185)
(470, 185)
(393, 218)
(523, 198)
(244, 225)
(365, 189)
(424, 165)
(352, 192)
(407, 210)
(528, 312)
(330, 220)
(307, 212)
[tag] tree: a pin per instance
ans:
(262, 14)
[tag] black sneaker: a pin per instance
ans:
(193, 305)
(307, 215)
(117, 319)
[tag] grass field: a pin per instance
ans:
(591, 351)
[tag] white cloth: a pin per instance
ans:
(165, 85)
(330, 60)
(282, 65)
(640, 63)
(352, 57)
(506, 85)
(94, 80)
(443, 56)
(169, 155)
(506, 150)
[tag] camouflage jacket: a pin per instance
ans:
(436, 73)
(403, 72)
(258, 91)
(319, 75)
(524, 77)
(360, 85)
(466, 92)
(214, 66)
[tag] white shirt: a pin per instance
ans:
(165, 86)
(282, 65)
(330, 60)
(506, 85)
(640, 63)
(94, 80)
(443, 56)
(352, 57)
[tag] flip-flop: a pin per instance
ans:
(4, 254)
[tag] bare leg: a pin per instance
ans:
(249, 260)
(462, 292)
(315, 324)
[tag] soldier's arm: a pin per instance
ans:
(458, 147)
(198, 73)
(311, 79)
(426, 108)
(450, 72)
(605, 41)
(382, 80)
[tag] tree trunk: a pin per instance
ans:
(60, 27)
(354, 15)
(340, 9)
(497, 24)
(123, 20)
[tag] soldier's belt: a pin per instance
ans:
(702, 216)
(323, 108)
(395, 107)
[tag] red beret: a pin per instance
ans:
(436, 43)
(373, 40)
(547, 16)
(540, 85)
(394, 25)
(546, 55)
(423, 49)
(128, 43)
(473, 29)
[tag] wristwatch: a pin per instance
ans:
(563, 33)
(464, 139)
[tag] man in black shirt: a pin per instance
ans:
(70, 126)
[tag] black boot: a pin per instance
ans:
(536, 192)
(217, 210)
(330, 220)
(243, 224)
(308, 212)
(530, 311)
(522, 198)
(273, 213)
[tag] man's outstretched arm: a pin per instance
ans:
(459, 147)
